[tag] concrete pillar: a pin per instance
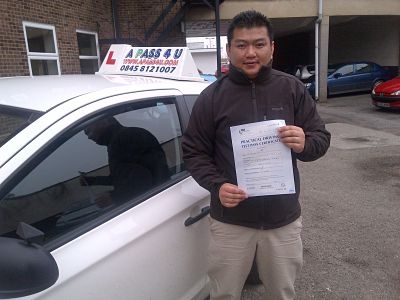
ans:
(323, 58)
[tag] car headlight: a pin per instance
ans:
(396, 93)
(373, 92)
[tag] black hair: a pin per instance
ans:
(250, 19)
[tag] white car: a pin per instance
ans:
(121, 217)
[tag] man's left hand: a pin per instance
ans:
(293, 137)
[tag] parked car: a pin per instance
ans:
(102, 239)
(387, 94)
(351, 77)
(305, 72)
(224, 69)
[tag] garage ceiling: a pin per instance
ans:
(282, 26)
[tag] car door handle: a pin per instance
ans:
(204, 212)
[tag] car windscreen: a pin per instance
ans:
(333, 67)
(13, 120)
(311, 69)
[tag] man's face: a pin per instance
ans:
(250, 49)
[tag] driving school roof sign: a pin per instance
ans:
(168, 62)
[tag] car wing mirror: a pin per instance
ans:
(26, 267)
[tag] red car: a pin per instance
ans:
(224, 69)
(387, 94)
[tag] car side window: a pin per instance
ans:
(345, 70)
(363, 68)
(103, 163)
(190, 100)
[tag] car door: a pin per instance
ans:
(113, 238)
(363, 76)
(341, 81)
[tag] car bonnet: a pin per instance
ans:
(389, 86)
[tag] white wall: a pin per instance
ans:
(370, 38)
(206, 61)
(206, 57)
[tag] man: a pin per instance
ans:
(266, 228)
(136, 160)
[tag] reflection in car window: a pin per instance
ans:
(113, 159)
(345, 70)
(363, 68)
(13, 120)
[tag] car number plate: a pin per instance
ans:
(382, 104)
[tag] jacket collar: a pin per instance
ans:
(237, 75)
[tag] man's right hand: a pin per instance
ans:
(231, 195)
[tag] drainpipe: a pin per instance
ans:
(218, 35)
(317, 48)
(115, 20)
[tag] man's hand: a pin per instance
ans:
(293, 137)
(230, 195)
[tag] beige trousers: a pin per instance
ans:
(278, 253)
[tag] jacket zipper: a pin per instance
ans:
(255, 118)
(254, 100)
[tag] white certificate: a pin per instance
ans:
(263, 163)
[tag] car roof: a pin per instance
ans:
(340, 64)
(125, 69)
(41, 93)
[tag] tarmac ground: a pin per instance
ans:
(351, 207)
